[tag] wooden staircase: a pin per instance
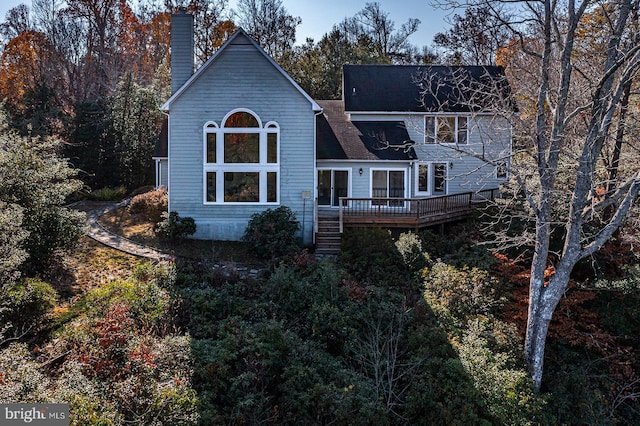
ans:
(328, 235)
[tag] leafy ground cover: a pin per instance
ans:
(399, 330)
(90, 266)
(139, 229)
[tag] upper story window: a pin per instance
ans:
(241, 119)
(241, 160)
(502, 170)
(451, 129)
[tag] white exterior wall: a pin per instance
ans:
(360, 184)
(240, 77)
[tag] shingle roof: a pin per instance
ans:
(337, 138)
(421, 88)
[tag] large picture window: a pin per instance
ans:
(446, 129)
(241, 160)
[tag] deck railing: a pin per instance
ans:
(410, 212)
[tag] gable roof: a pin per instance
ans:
(239, 37)
(422, 88)
(338, 138)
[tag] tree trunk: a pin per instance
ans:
(539, 320)
(617, 149)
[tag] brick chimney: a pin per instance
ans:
(181, 48)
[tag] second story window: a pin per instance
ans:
(446, 129)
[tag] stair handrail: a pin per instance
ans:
(315, 219)
(340, 212)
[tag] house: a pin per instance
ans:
(242, 136)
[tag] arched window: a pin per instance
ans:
(241, 161)
(241, 119)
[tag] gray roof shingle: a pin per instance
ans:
(422, 88)
(341, 139)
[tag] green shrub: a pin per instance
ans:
(174, 228)
(21, 379)
(457, 247)
(28, 304)
(108, 194)
(147, 303)
(33, 177)
(505, 387)
(409, 246)
(371, 256)
(272, 233)
(12, 237)
(52, 231)
(463, 293)
(150, 205)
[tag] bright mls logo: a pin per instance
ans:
(37, 414)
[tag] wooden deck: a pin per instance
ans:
(410, 212)
(405, 213)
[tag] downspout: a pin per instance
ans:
(315, 176)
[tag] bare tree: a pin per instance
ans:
(374, 24)
(568, 99)
(269, 23)
(212, 24)
(473, 39)
(384, 358)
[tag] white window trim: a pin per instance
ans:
(416, 177)
(389, 169)
(432, 183)
(332, 170)
(431, 174)
(435, 129)
(220, 167)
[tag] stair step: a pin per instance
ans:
(328, 237)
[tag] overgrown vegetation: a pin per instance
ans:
(272, 234)
(108, 194)
(36, 228)
(417, 341)
(35, 183)
(150, 205)
(172, 227)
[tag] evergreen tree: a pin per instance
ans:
(35, 182)
(135, 123)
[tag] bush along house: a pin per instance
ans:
(406, 147)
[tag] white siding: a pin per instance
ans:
(473, 164)
(241, 77)
(489, 139)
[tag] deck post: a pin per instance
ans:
(340, 201)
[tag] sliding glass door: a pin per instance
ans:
(332, 184)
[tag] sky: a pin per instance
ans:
(318, 16)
